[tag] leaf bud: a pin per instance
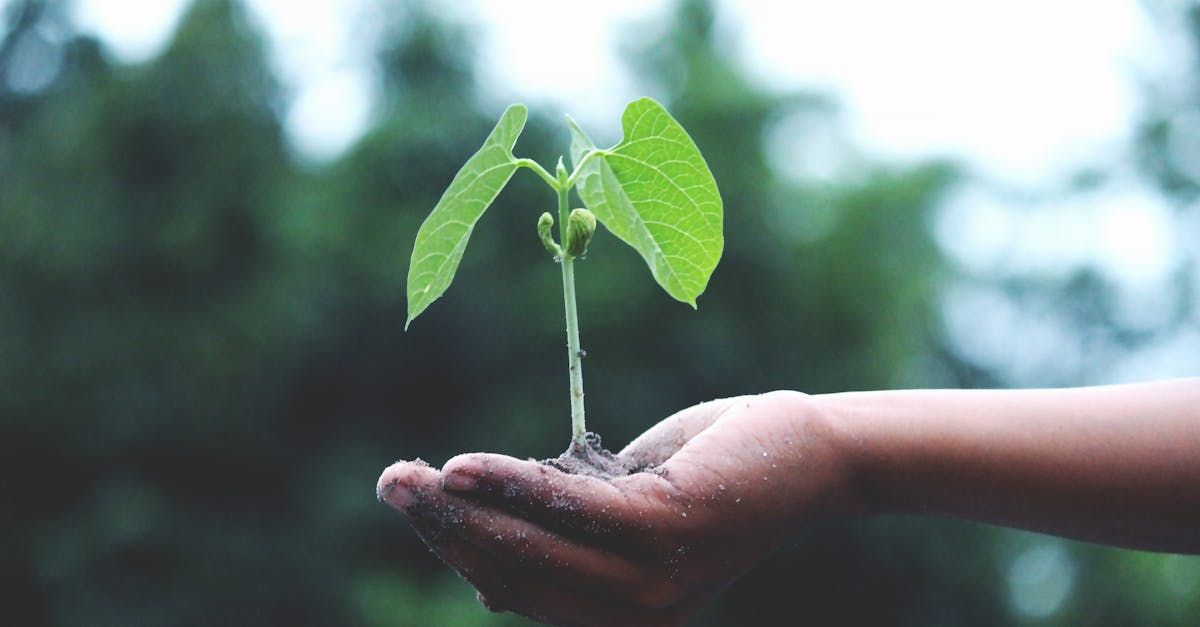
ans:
(544, 225)
(581, 225)
(560, 171)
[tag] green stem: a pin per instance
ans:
(574, 353)
(540, 171)
(595, 152)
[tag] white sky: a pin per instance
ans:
(1020, 88)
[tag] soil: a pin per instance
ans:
(591, 460)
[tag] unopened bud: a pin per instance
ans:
(544, 226)
(560, 171)
(581, 225)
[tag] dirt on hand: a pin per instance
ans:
(591, 459)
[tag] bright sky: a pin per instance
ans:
(1022, 88)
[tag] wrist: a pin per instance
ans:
(828, 477)
(851, 437)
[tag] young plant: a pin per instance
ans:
(652, 190)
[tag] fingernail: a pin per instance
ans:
(458, 481)
(395, 495)
(391, 490)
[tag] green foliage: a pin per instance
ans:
(655, 192)
(388, 600)
(444, 234)
(657, 195)
(203, 374)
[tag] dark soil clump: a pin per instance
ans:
(591, 460)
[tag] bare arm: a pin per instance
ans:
(1118, 464)
(731, 479)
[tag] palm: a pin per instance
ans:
(723, 485)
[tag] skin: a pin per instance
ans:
(731, 479)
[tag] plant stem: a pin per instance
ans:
(574, 353)
(539, 170)
(595, 152)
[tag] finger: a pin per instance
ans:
(401, 484)
(575, 505)
(664, 439)
(524, 544)
(501, 589)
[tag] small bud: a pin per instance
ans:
(544, 226)
(581, 225)
(560, 171)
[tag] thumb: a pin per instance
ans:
(664, 439)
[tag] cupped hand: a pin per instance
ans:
(724, 483)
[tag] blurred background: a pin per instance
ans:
(207, 209)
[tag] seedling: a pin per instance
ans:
(652, 190)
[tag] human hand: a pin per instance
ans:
(726, 482)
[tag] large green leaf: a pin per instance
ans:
(655, 192)
(443, 236)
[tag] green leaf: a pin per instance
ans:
(443, 236)
(655, 192)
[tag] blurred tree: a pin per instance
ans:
(204, 367)
(1091, 328)
(826, 285)
(142, 324)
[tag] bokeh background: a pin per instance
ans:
(206, 212)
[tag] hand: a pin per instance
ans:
(725, 482)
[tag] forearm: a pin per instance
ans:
(1118, 464)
